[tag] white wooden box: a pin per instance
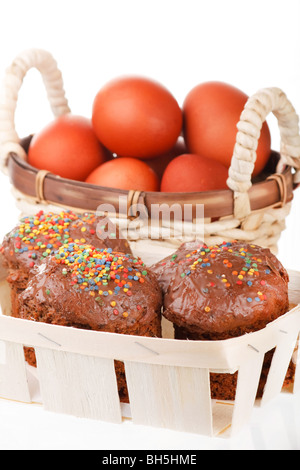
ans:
(168, 379)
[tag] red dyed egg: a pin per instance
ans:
(159, 164)
(211, 113)
(136, 117)
(67, 147)
(193, 173)
(125, 173)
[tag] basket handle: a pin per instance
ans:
(257, 108)
(12, 82)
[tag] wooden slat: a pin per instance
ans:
(279, 366)
(294, 287)
(222, 417)
(13, 378)
(171, 397)
(5, 298)
(296, 387)
(248, 379)
(83, 386)
(203, 354)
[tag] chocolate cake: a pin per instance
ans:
(98, 289)
(37, 237)
(166, 269)
(220, 292)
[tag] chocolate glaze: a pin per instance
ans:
(37, 237)
(21, 250)
(52, 297)
(166, 269)
(222, 291)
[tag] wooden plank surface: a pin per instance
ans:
(170, 397)
(13, 377)
(79, 385)
(248, 379)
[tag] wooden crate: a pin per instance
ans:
(168, 379)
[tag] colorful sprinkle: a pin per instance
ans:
(47, 232)
(94, 270)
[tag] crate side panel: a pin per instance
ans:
(84, 386)
(279, 366)
(218, 355)
(13, 377)
(170, 397)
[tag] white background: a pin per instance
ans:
(250, 44)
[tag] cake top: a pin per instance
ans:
(94, 288)
(38, 236)
(166, 268)
(91, 269)
(223, 288)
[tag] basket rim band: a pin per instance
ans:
(274, 191)
(133, 199)
(39, 186)
(282, 186)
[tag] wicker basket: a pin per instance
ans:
(248, 210)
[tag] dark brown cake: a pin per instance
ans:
(98, 289)
(220, 292)
(37, 237)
